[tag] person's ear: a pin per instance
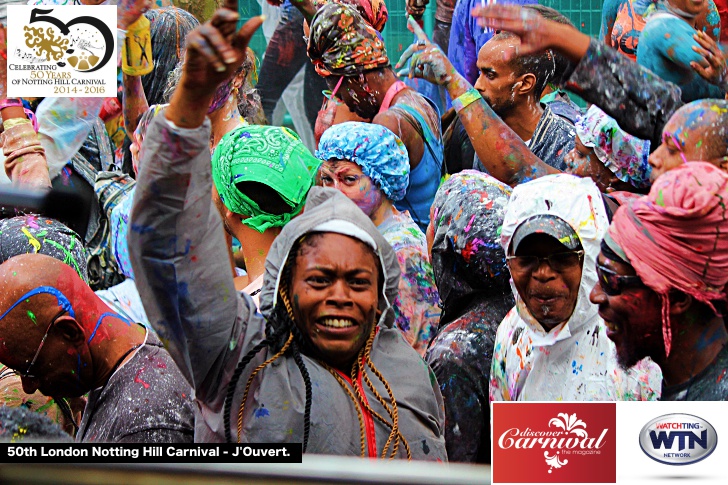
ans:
(680, 302)
(232, 219)
(239, 79)
(526, 84)
(70, 330)
(723, 164)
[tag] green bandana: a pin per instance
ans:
(270, 155)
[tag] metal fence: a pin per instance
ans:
(586, 15)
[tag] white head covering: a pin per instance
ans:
(575, 361)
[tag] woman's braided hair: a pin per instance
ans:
(282, 336)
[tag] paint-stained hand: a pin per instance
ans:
(416, 9)
(713, 66)
(531, 27)
(426, 60)
(215, 49)
(128, 11)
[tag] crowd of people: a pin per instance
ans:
(371, 297)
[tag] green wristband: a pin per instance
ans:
(466, 99)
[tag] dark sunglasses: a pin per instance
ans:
(558, 261)
(612, 283)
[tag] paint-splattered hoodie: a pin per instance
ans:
(575, 361)
(471, 273)
(182, 270)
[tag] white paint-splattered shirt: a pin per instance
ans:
(575, 361)
(578, 365)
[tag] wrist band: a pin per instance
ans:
(466, 99)
(10, 103)
(7, 124)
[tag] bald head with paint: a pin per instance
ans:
(697, 132)
(54, 331)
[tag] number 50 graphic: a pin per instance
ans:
(52, 47)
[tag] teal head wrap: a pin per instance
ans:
(269, 155)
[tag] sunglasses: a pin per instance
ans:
(27, 374)
(612, 283)
(558, 261)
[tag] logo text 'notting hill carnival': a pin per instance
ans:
(571, 439)
(678, 439)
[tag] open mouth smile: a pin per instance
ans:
(336, 322)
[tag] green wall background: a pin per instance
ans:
(586, 15)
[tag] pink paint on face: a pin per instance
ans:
(348, 177)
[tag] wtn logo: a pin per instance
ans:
(665, 439)
(678, 439)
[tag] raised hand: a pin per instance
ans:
(416, 8)
(713, 65)
(531, 27)
(215, 49)
(426, 60)
(214, 52)
(128, 11)
(537, 33)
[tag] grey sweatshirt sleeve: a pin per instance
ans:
(180, 261)
(638, 99)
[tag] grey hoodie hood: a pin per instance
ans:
(328, 210)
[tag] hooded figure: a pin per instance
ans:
(472, 276)
(574, 361)
(262, 377)
(376, 157)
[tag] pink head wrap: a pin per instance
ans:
(676, 237)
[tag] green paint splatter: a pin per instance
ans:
(67, 255)
(32, 317)
(660, 199)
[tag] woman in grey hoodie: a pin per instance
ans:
(323, 364)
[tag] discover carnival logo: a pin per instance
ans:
(678, 439)
(572, 441)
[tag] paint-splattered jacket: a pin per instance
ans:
(638, 99)
(416, 308)
(182, 271)
(471, 273)
(575, 361)
(147, 400)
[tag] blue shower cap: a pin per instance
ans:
(380, 154)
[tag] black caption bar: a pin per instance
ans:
(149, 453)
